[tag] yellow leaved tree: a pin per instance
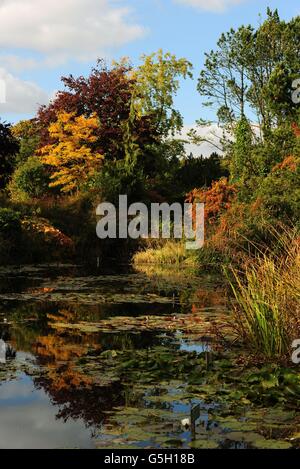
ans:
(72, 158)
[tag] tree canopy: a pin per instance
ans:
(8, 149)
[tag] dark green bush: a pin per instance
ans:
(280, 194)
(10, 236)
(10, 225)
(117, 179)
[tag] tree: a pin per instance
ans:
(106, 93)
(223, 81)
(27, 133)
(30, 180)
(217, 199)
(198, 172)
(249, 79)
(279, 192)
(241, 160)
(251, 73)
(8, 149)
(137, 115)
(72, 158)
(157, 82)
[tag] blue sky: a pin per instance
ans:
(40, 40)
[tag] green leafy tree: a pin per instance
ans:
(157, 82)
(279, 192)
(251, 73)
(241, 166)
(147, 162)
(30, 180)
(27, 133)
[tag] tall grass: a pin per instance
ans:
(267, 298)
(171, 252)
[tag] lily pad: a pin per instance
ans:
(272, 444)
(204, 444)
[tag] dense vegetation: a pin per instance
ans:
(116, 132)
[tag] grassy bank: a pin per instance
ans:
(171, 252)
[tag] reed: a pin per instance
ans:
(171, 252)
(267, 298)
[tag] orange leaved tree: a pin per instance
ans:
(71, 158)
(217, 199)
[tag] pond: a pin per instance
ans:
(127, 360)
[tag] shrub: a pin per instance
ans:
(118, 178)
(280, 191)
(43, 241)
(10, 224)
(10, 235)
(30, 180)
(218, 198)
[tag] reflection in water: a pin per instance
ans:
(62, 388)
(6, 350)
(2, 351)
(78, 393)
(198, 348)
(28, 419)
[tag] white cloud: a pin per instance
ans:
(64, 29)
(16, 63)
(21, 96)
(28, 420)
(211, 135)
(211, 5)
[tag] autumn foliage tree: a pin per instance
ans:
(105, 93)
(72, 158)
(217, 199)
(135, 107)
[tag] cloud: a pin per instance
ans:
(212, 135)
(28, 420)
(64, 29)
(211, 5)
(16, 63)
(21, 96)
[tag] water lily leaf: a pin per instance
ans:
(204, 444)
(237, 425)
(271, 382)
(271, 444)
(278, 416)
(248, 437)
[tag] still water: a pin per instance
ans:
(49, 400)
(105, 360)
